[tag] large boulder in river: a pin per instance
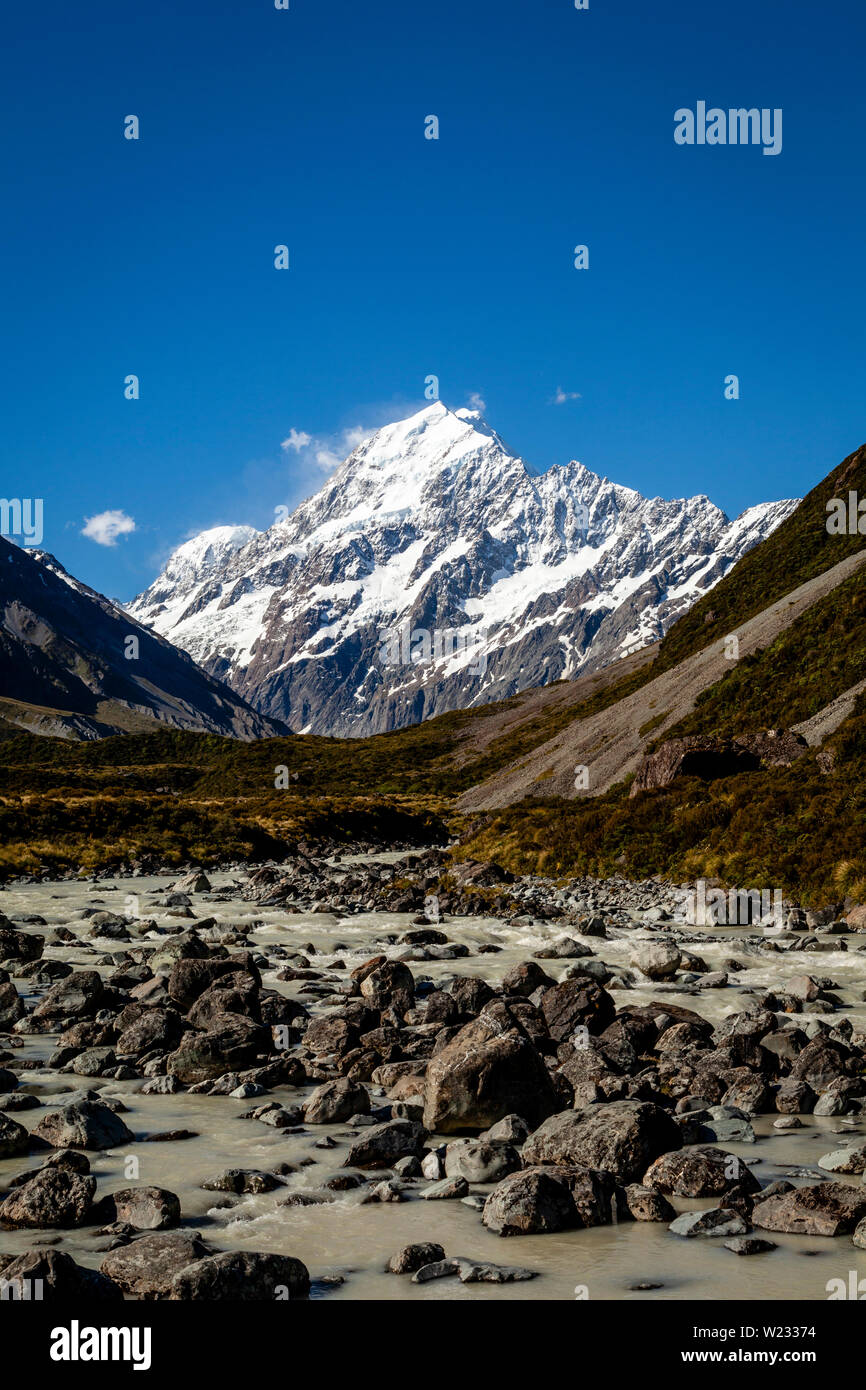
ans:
(11, 1006)
(656, 959)
(153, 1028)
(79, 995)
(579, 1002)
(146, 1267)
(190, 978)
(824, 1209)
(337, 1101)
(549, 1198)
(19, 945)
(53, 1197)
(702, 1171)
(58, 1278)
(382, 1146)
(242, 1276)
(14, 1139)
(490, 1069)
(230, 1044)
(389, 985)
(86, 1124)
(145, 1208)
(622, 1137)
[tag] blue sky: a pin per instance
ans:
(413, 256)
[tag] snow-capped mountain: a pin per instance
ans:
(436, 570)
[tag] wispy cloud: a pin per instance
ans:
(562, 396)
(476, 401)
(297, 440)
(105, 527)
(325, 452)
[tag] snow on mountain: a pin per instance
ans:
(436, 570)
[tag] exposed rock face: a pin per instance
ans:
(489, 1070)
(622, 1137)
(703, 756)
(64, 668)
(436, 570)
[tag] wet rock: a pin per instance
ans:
(241, 1180)
(95, 1061)
(144, 1208)
(716, 1221)
(81, 993)
(704, 1171)
(389, 985)
(511, 1130)
(146, 1267)
(19, 945)
(749, 1245)
(489, 1070)
(231, 1042)
(622, 1137)
(382, 1145)
(439, 1269)
(576, 1002)
(60, 1278)
(153, 1028)
(14, 1139)
(415, 1257)
(448, 1189)
(242, 1276)
(851, 1160)
(54, 1197)
(795, 1098)
(549, 1198)
(336, 1101)
(480, 1162)
(824, 1209)
(658, 960)
(524, 979)
(648, 1205)
(86, 1124)
(475, 1272)
(189, 979)
(11, 1005)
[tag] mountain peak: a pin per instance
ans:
(433, 526)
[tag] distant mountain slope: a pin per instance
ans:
(64, 669)
(437, 571)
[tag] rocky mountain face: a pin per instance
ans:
(435, 571)
(74, 665)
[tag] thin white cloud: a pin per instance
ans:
(105, 527)
(325, 453)
(297, 440)
(562, 396)
(477, 402)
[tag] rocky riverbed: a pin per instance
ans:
(394, 1077)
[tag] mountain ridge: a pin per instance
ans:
(431, 525)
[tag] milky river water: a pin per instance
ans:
(344, 1237)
